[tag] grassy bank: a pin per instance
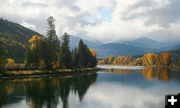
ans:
(41, 73)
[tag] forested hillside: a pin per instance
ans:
(15, 39)
(16, 31)
(175, 54)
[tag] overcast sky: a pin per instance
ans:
(104, 20)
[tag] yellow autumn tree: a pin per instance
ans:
(164, 58)
(34, 41)
(123, 60)
(10, 61)
(150, 59)
(93, 52)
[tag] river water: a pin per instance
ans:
(115, 87)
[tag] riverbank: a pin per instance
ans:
(45, 73)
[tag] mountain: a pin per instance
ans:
(135, 47)
(16, 31)
(116, 49)
(144, 42)
(15, 37)
(75, 40)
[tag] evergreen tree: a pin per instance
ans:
(2, 54)
(84, 56)
(53, 45)
(65, 54)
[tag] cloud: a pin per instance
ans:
(28, 25)
(104, 20)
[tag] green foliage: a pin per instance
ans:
(14, 49)
(2, 54)
(65, 54)
(16, 31)
(84, 56)
(44, 52)
(53, 44)
(14, 38)
(175, 57)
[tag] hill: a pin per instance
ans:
(115, 49)
(146, 43)
(16, 31)
(135, 47)
(15, 37)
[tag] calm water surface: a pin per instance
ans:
(119, 87)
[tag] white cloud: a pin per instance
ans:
(28, 25)
(126, 19)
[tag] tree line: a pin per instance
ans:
(148, 59)
(49, 53)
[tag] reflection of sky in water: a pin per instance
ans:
(116, 94)
(120, 67)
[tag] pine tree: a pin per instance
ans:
(65, 54)
(53, 45)
(2, 54)
(85, 57)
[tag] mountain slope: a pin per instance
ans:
(147, 43)
(16, 31)
(115, 49)
(15, 37)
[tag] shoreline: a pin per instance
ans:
(46, 73)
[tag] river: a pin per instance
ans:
(115, 87)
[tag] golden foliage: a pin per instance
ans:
(150, 59)
(10, 61)
(34, 41)
(101, 62)
(161, 59)
(123, 60)
(138, 62)
(164, 58)
(93, 52)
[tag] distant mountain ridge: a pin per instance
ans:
(135, 47)
(146, 43)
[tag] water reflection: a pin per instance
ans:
(44, 92)
(149, 73)
(118, 88)
(160, 73)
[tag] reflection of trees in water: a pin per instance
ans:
(122, 71)
(47, 92)
(150, 73)
(8, 92)
(159, 73)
